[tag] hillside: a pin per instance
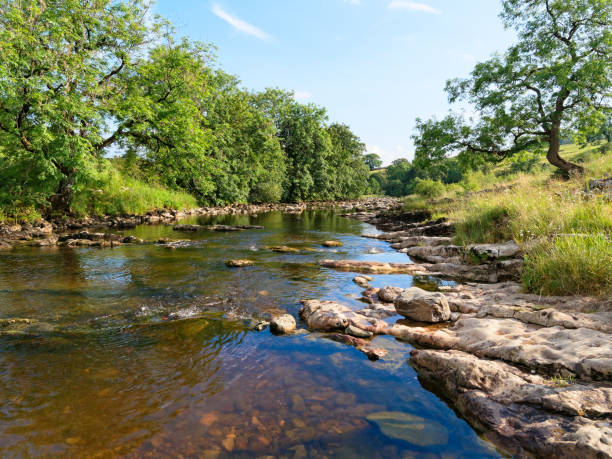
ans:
(563, 226)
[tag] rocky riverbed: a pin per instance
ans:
(57, 231)
(532, 373)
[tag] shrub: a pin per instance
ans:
(266, 192)
(428, 188)
(570, 265)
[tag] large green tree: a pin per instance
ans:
(557, 77)
(245, 144)
(305, 141)
(60, 63)
(79, 78)
(349, 170)
(373, 161)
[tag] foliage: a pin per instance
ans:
(322, 162)
(373, 161)
(580, 264)
(80, 80)
(428, 188)
(109, 192)
(63, 79)
(556, 77)
(564, 232)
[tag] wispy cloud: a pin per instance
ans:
(301, 96)
(412, 6)
(239, 24)
(353, 2)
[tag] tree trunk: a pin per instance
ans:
(554, 147)
(62, 199)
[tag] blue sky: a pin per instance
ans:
(376, 65)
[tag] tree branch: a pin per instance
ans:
(112, 73)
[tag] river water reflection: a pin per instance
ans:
(144, 351)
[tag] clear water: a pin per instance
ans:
(143, 351)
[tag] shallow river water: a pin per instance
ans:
(150, 352)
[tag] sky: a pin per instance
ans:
(376, 65)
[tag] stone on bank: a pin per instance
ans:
(423, 306)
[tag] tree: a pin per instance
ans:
(78, 79)
(60, 64)
(558, 76)
(244, 144)
(348, 168)
(305, 142)
(373, 161)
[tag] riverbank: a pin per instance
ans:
(532, 373)
(49, 232)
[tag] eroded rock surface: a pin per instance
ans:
(526, 414)
(242, 263)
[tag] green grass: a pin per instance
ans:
(113, 193)
(570, 265)
(565, 232)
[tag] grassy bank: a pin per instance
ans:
(107, 191)
(564, 229)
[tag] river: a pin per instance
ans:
(143, 351)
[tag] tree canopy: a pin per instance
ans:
(557, 77)
(82, 80)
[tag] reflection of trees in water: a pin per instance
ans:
(427, 282)
(109, 390)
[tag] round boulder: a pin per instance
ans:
(423, 306)
(282, 324)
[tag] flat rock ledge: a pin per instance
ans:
(479, 273)
(532, 373)
(524, 414)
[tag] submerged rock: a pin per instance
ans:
(239, 263)
(332, 244)
(362, 281)
(410, 428)
(283, 249)
(373, 353)
(282, 324)
(423, 306)
(357, 332)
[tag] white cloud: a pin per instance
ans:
(388, 155)
(239, 24)
(301, 96)
(353, 2)
(412, 6)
